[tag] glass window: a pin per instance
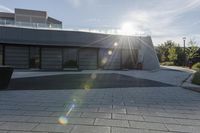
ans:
(70, 58)
(34, 57)
(1, 54)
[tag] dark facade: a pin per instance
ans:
(33, 46)
(57, 49)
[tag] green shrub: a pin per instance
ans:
(196, 66)
(167, 63)
(196, 78)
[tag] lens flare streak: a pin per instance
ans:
(70, 110)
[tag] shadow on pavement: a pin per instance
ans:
(81, 81)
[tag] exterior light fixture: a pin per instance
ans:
(184, 38)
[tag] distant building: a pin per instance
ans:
(24, 17)
(28, 41)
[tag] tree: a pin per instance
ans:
(191, 50)
(172, 55)
(163, 50)
(180, 56)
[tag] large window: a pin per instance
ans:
(34, 57)
(1, 54)
(70, 58)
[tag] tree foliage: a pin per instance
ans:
(170, 51)
(191, 50)
(163, 51)
(172, 54)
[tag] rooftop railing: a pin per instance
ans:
(105, 30)
(29, 25)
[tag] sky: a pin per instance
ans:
(162, 19)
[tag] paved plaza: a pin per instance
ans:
(167, 109)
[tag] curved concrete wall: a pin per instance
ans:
(150, 59)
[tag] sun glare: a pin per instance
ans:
(127, 28)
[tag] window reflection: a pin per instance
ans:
(34, 57)
(70, 58)
(1, 54)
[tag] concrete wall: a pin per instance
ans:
(147, 55)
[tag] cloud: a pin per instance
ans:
(75, 3)
(5, 9)
(163, 21)
(78, 3)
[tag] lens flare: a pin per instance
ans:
(87, 87)
(104, 60)
(110, 52)
(70, 109)
(73, 106)
(63, 120)
(115, 44)
(93, 76)
(74, 100)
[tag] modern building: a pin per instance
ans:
(37, 46)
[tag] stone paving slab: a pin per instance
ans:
(127, 117)
(148, 125)
(144, 109)
(18, 126)
(53, 128)
(109, 122)
(97, 115)
(90, 129)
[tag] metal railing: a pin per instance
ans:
(5, 22)
(105, 30)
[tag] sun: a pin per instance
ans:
(127, 28)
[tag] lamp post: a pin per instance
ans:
(184, 38)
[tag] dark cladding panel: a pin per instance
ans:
(18, 57)
(1, 54)
(110, 58)
(88, 59)
(129, 58)
(51, 58)
(70, 57)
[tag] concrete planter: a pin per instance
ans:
(5, 76)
